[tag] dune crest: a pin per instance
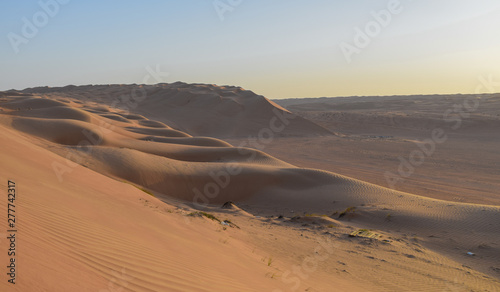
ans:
(197, 109)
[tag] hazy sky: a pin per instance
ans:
(279, 48)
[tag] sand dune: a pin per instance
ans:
(76, 236)
(92, 220)
(232, 111)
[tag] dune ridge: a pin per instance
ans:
(231, 110)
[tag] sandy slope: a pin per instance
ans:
(92, 223)
(232, 111)
(92, 233)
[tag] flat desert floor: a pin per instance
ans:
(146, 188)
(375, 136)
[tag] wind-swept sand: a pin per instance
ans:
(375, 134)
(85, 224)
(198, 109)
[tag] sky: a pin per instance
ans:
(279, 49)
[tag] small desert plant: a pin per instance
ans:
(346, 211)
(204, 214)
(269, 261)
(210, 216)
(272, 275)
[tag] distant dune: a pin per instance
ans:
(75, 153)
(197, 109)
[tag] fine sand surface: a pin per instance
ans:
(109, 195)
(374, 135)
(198, 109)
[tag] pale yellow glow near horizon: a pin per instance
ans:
(446, 74)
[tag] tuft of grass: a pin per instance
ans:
(269, 261)
(204, 214)
(388, 217)
(331, 226)
(346, 211)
